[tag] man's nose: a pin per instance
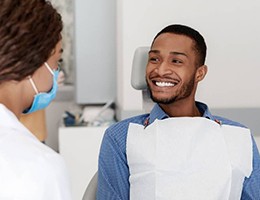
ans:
(163, 68)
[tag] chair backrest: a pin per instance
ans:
(91, 190)
(138, 81)
(138, 68)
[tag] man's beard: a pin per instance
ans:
(185, 92)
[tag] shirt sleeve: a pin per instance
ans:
(251, 187)
(113, 172)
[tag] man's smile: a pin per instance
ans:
(164, 84)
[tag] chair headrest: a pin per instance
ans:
(139, 67)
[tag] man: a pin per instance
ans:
(179, 150)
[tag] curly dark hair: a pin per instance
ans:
(29, 31)
(199, 46)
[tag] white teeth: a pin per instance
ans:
(164, 84)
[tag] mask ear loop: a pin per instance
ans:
(49, 68)
(33, 85)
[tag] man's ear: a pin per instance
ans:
(201, 73)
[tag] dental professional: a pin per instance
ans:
(179, 150)
(30, 49)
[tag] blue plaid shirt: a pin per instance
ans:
(113, 171)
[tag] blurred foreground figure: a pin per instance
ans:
(30, 49)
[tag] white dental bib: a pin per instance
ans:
(188, 159)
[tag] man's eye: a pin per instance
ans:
(154, 59)
(176, 61)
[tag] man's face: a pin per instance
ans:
(171, 70)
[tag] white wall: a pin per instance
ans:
(231, 30)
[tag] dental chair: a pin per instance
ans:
(138, 82)
(91, 190)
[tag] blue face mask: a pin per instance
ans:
(43, 99)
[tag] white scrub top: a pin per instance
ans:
(29, 170)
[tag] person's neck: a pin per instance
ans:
(11, 97)
(181, 108)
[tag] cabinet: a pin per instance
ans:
(79, 146)
(95, 51)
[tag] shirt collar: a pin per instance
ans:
(158, 113)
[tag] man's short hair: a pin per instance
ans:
(199, 46)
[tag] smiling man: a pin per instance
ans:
(179, 150)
